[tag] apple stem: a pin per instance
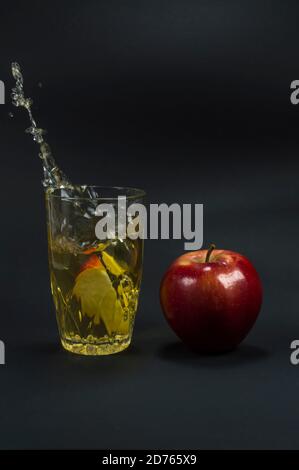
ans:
(209, 252)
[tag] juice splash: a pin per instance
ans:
(95, 283)
(53, 176)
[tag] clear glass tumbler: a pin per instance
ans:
(95, 282)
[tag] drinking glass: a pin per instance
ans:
(95, 282)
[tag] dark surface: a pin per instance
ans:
(190, 101)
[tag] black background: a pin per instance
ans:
(189, 100)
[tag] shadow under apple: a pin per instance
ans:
(243, 354)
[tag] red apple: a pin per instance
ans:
(211, 298)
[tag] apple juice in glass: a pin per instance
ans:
(95, 282)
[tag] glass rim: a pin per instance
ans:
(127, 191)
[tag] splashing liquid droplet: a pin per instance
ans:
(53, 176)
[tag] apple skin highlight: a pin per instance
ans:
(213, 305)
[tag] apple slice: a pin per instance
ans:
(97, 296)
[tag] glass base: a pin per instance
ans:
(96, 349)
